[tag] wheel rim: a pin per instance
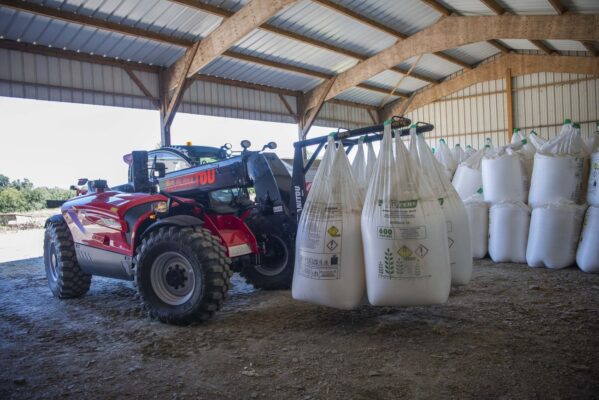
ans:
(173, 278)
(53, 263)
(275, 258)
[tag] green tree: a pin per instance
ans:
(4, 181)
(12, 200)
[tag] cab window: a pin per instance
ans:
(171, 161)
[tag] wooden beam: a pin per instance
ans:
(590, 47)
(557, 6)
(438, 7)
(373, 117)
(141, 86)
(519, 64)
(453, 32)
(493, 6)
(499, 46)
(233, 29)
(310, 115)
(287, 106)
(539, 44)
(381, 27)
(93, 22)
(509, 115)
(73, 55)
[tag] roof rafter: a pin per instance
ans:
(453, 32)
(560, 9)
(435, 5)
(519, 64)
(383, 28)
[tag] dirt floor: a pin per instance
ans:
(514, 332)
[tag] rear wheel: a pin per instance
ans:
(65, 277)
(182, 274)
(275, 267)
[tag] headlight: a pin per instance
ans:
(160, 207)
(110, 223)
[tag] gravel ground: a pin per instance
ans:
(514, 332)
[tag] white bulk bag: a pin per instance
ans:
(516, 136)
(555, 178)
(468, 178)
(371, 161)
(404, 234)
(587, 254)
(553, 235)
(458, 227)
(536, 140)
(458, 154)
(508, 231)
(593, 184)
(329, 262)
(359, 169)
(469, 151)
(478, 217)
(504, 177)
(445, 157)
(558, 169)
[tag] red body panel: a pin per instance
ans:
(97, 219)
(234, 233)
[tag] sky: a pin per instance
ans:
(54, 144)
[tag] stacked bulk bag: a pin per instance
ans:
(553, 235)
(444, 155)
(504, 176)
(536, 140)
(458, 228)
(469, 151)
(516, 136)
(478, 217)
(468, 178)
(329, 262)
(508, 231)
(371, 162)
(593, 182)
(587, 254)
(558, 169)
(459, 155)
(404, 234)
(359, 169)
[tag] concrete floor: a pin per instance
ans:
(514, 332)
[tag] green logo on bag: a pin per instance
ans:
(408, 204)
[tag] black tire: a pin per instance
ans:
(276, 235)
(65, 277)
(194, 258)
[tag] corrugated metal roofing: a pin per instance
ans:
(316, 21)
(388, 79)
(432, 66)
(273, 47)
(582, 6)
(518, 44)
(226, 67)
(566, 45)
(467, 7)
(529, 7)
(154, 15)
(365, 96)
(473, 53)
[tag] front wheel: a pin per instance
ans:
(274, 269)
(182, 274)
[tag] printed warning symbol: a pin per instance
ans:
(334, 231)
(332, 245)
(421, 251)
(450, 241)
(404, 252)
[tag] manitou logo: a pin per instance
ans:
(298, 198)
(198, 179)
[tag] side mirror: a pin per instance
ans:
(82, 181)
(245, 144)
(73, 187)
(269, 145)
(159, 170)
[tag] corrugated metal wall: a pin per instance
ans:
(540, 102)
(42, 77)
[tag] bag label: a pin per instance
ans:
(320, 249)
(395, 233)
(403, 263)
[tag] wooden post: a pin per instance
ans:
(510, 105)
